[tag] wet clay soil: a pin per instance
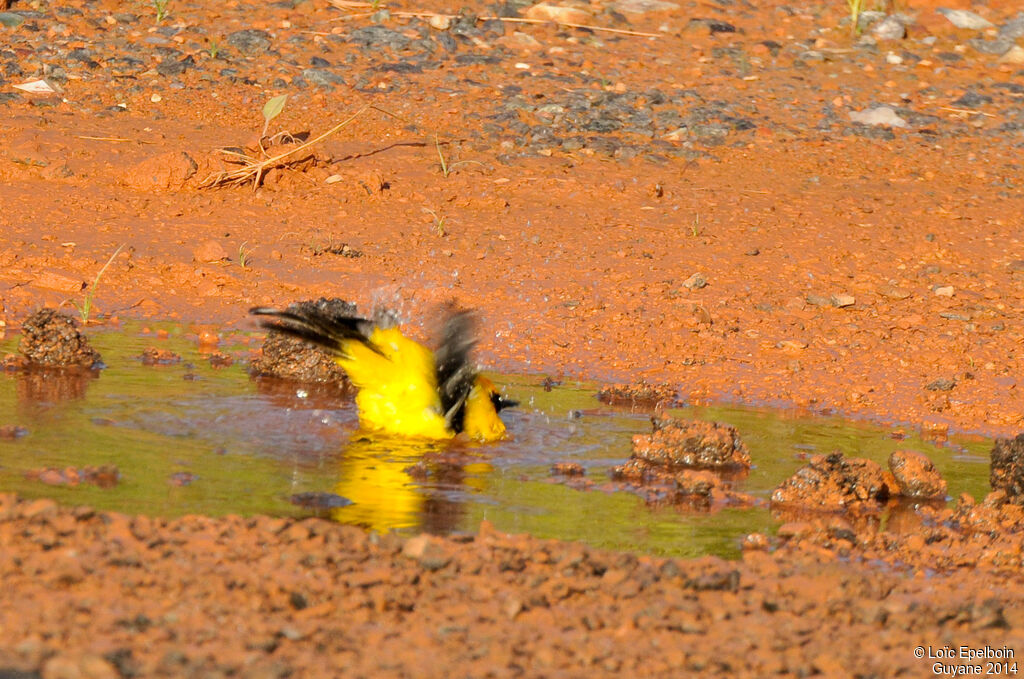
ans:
(695, 209)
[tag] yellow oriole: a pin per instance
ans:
(404, 388)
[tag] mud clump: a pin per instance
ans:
(290, 358)
(168, 171)
(12, 432)
(835, 482)
(220, 360)
(916, 476)
(678, 461)
(52, 339)
(104, 476)
(1007, 471)
(640, 394)
(567, 469)
(928, 537)
(155, 356)
(319, 500)
(695, 444)
(182, 479)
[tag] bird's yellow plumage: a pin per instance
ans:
(405, 389)
(397, 387)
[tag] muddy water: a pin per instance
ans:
(188, 437)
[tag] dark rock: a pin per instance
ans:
(998, 47)
(871, 132)
(1013, 28)
(448, 42)
(250, 41)
(493, 27)
(169, 67)
(80, 54)
(398, 67)
(379, 36)
(127, 62)
(941, 384)
(322, 78)
(603, 124)
(972, 99)
(167, 52)
(1013, 88)
(473, 59)
(710, 135)
(710, 25)
(466, 26)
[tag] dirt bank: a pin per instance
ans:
(105, 595)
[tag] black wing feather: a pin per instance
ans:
(456, 371)
(317, 324)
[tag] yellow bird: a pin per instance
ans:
(404, 388)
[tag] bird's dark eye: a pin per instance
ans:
(500, 401)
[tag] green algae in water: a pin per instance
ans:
(192, 438)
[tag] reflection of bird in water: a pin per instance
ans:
(404, 388)
(409, 399)
(374, 475)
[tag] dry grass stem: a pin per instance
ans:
(253, 169)
(117, 139)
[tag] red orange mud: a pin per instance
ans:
(589, 176)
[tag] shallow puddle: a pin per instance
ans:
(192, 438)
